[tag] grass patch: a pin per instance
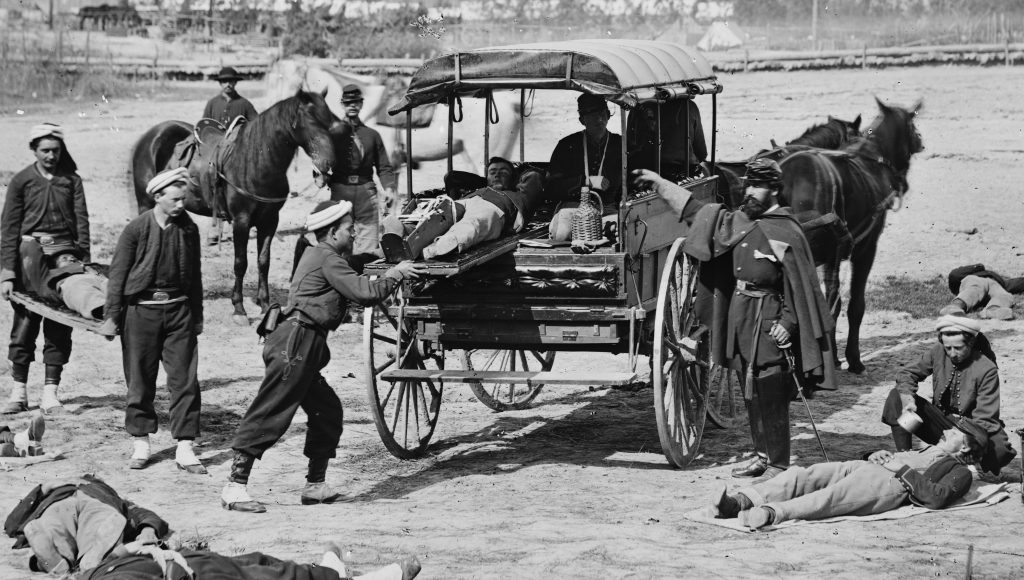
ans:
(919, 298)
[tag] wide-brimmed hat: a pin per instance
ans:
(227, 74)
(763, 172)
(351, 94)
(588, 103)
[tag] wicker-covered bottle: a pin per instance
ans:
(586, 221)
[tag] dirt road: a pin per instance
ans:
(576, 486)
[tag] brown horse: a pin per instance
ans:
(251, 172)
(856, 185)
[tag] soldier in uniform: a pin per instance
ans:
(360, 151)
(155, 299)
(44, 214)
(322, 284)
(758, 267)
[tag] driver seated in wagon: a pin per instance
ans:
(589, 158)
(504, 206)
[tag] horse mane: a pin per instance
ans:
(259, 144)
(831, 134)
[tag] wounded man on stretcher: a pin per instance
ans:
(445, 225)
(60, 278)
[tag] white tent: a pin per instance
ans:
(721, 36)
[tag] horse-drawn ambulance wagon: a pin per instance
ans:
(495, 316)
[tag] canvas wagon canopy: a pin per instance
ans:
(625, 72)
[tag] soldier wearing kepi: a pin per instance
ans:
(155, 298)
(758, 266)
(44, 215)
(360, 151)
(296, 350)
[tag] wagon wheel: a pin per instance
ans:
(680, 361)
(405, 411)
(725, 397)
(506, 396)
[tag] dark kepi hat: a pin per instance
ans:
(588, 103)
(351, 93)
(763, 172)
(228, 74)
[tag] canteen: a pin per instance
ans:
(586, 220)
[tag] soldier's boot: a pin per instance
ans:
(757, 465)
(775, 393)
(235, 496)
(438, 222)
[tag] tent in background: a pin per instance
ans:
(721, 36)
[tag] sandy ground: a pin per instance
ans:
(576, 486)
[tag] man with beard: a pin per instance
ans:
(965, 383)
(155, 299)
(759, 269)
(296, 351)
(44, 215)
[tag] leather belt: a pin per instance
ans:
(302, 319)
(159, 296)
(751, 289)
(352, 179)
(45, 239)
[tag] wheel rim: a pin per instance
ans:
(680, 362)
(725, 397)
(506, 396)
(405, 411)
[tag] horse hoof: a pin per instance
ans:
(240, 319)
(856, 368)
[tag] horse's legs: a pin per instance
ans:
(241, 240)
(860, 266)
(264, 235)
(830, 277)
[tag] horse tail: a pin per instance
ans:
(152, 154)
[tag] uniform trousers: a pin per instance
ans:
(365, 213)
(25, 325)
(155, 333)
(294, 355)
(826, 490)
(480, 221)
(975, 290)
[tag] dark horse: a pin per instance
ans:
(856, 185)
(832, 134)
(252, 173)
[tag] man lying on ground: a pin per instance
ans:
(933, 477)
(27, 443)
(83, 525)
(503, 207)
(975, 287)
(965, 383)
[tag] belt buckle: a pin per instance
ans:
(160, 296)
(741, 285)
(46, 240)
(352, 179)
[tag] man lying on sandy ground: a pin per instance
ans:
(982, 290)
(81, 526)
(933, 477)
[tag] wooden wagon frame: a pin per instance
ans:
(506, 308)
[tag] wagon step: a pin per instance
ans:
(519, 377)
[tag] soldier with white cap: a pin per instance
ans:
(296, 351)
(44, 215)
(155, 299)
